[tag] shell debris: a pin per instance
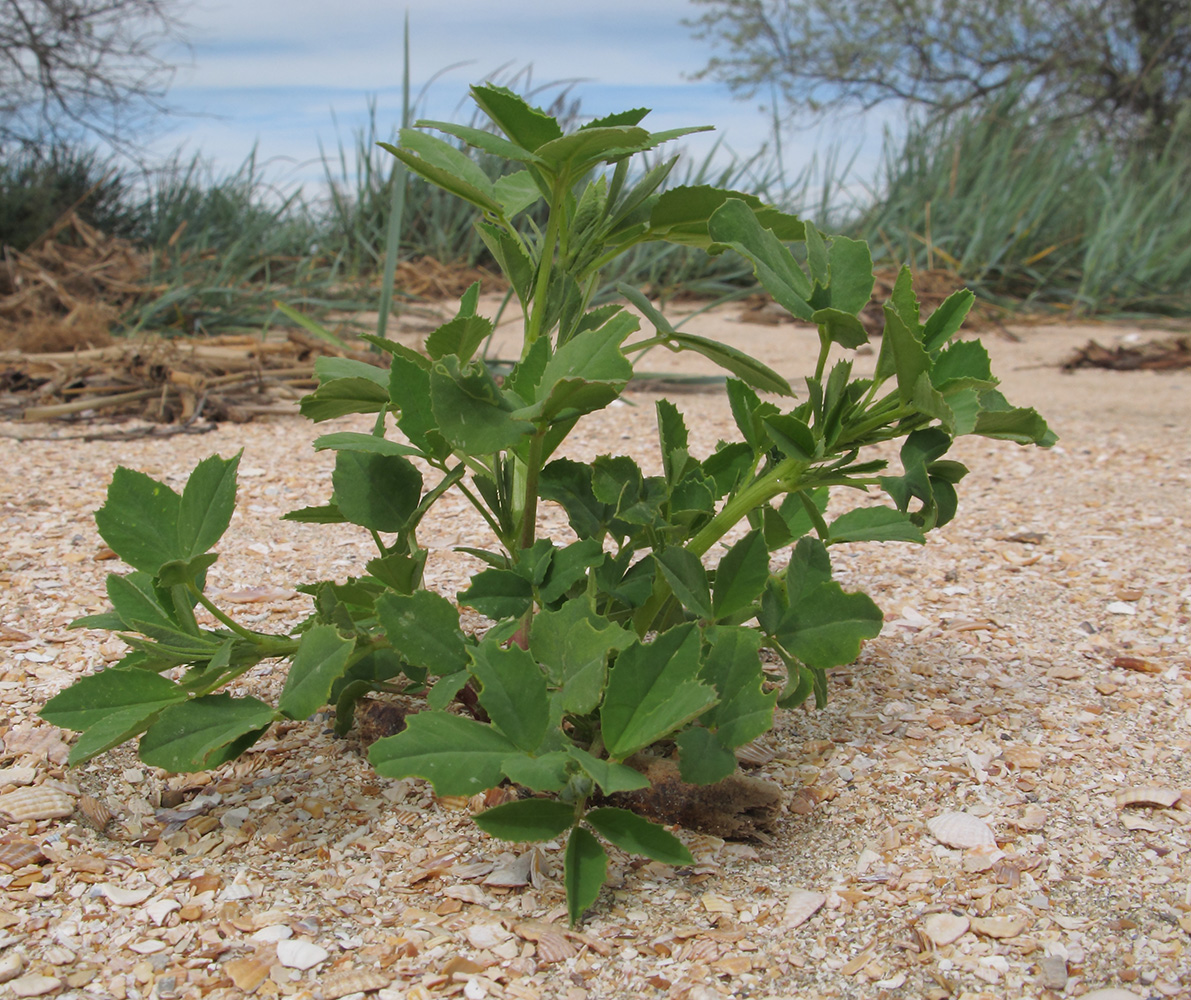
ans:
(961, 830)
(38, 802)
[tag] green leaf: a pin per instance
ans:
(527, 820)
(445, 689)
(181, 572)
(376, 491)
(446, 167)
(946, 320)
(795, 439)
(703, 759)
(569, 483)
(999, 419)
(398, 571)
(737, 226)
(510, 256)
(207, 503)
(547, 773)
(850, 266)
(342, 396)
(584, 867)
(458, 756)
(743, 366)
(189, 736)
(512, 692)
(740, 575)
(841, 327)
(134, 599)
(516, 192)
(461, 336)
(825, 626)
(632, 833)
(875, 524)
(329, 368)
(611, 777)
(139, 520)
(681, 215)
(321, 659)
(568, 567)
(573, 644)
(965, 361)
(902, 353)
(498, 593)
(424, 628)
(409, 387)
(593, 354)
(732, 664)
(327, 514)
(527, 126)
(471, 411)
(684, 572)
(749, 413)
(487, 141)
(358, 441)
(578, 151)
(111, 706)
(652, 691)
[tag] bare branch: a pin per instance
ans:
(93, 66)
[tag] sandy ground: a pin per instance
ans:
(1033, 675)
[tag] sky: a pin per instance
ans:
(284, 74)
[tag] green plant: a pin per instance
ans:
(623, 639)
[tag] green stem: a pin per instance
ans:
(274, 645)
(824, 351)
(537, 317)
(533, 471)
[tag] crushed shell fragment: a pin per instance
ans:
(943, 928)
(342, 984)
(36, 803)
(801, 905)
(1162, 797)
(960, 829)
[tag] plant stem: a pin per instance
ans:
(533, 329)
(275, 645)
(533, 470)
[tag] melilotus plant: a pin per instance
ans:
(648, 628)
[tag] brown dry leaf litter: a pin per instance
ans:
(1001, 689)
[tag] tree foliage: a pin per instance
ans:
(89, 66)
(1123, 65)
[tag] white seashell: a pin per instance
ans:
(468, 893)
(1111, 993)
(119, 896)
(1162, 797)
(801, 905)
(11, 966)
(552, 944)
(148, 946)
(511, 872)
(960, 829)
(756, 753)
(249, 972)
(1000, 927)
(159, 909)
(17, 775)
(36, 803)
(353, 981)
(472, 869)
(274, 932)
(301, 955)
(34, 986)
(487, 935)
(943, 928)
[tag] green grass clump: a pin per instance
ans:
(1040, 214)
